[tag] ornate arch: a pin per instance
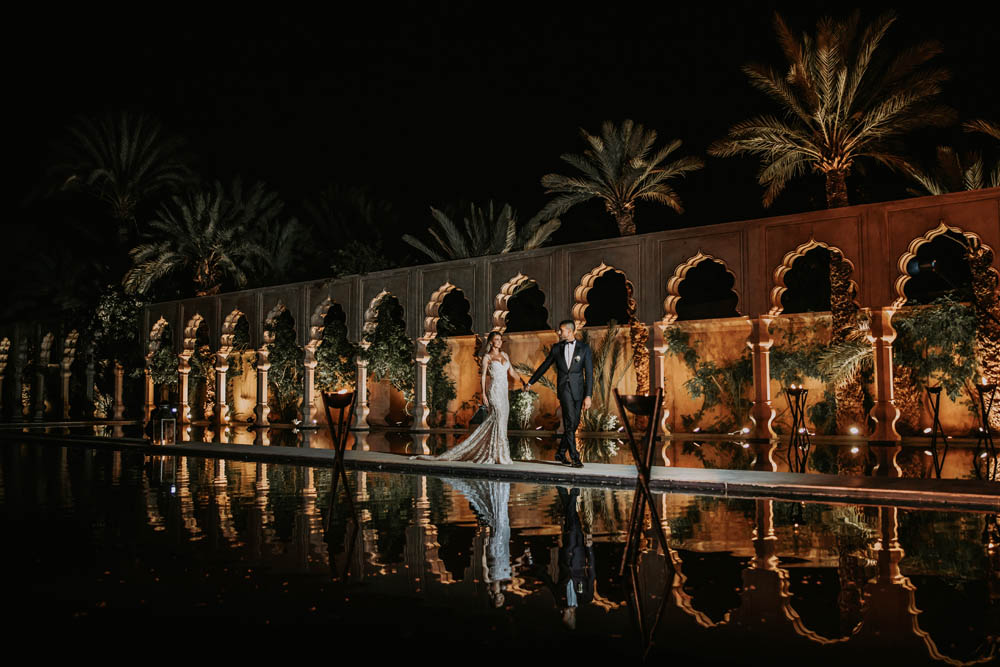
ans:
(786, 265)
(228, 336)
(911, 253)
(69, 349)
(4, 353)
(432, 311)
(156, 337)
(45, 349)
(502, 300)
(582, 291)
(680, 274)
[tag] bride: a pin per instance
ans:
(488, 443)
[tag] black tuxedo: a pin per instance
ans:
(573, 383)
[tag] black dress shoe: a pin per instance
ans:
(577, 464)
(561, 458)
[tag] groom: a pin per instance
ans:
(574, 385)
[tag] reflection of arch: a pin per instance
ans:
(45, 350)
(582, 291)
(69, 349)
(911, 253)
(228, 337)
(156, 335)
(432, 311)
(789, 261)
(680, 274)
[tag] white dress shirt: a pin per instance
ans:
(569, 347)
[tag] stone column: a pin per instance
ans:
(420, 408)
(119, 408)
(659, 378)
(884, 440)
(762, 436)
(40, 392)
(183, 372)
(361, 405)
(263, 365)
(309, 390)
(1, 396)
(221, 397)
(149, 402)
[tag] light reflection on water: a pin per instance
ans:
(845, 459)
(114, 537)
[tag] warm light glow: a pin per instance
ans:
(854, 430)
(854, 450)
(343, 391)
(696, 429)
(802, 430)
(746, 429)
(928, 452)
(928, 430)
(745, 445)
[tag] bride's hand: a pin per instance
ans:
(486, 402)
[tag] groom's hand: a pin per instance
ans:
(586, 403)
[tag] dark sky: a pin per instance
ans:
(429, 103)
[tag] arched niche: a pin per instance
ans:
(196, 336)
(520, 306)
(159, 337)
(701, 288)
(278, 316)
(69, 349)
(4, 353)
(447, 313)
(604, 294)
(945, 246)
(387, 299)
(802, 281)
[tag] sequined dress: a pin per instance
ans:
(488, 443)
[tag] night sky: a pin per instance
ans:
(429, 104)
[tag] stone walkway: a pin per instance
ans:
(922, 493)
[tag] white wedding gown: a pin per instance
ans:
(488, 443)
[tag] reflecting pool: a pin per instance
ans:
(125, 540)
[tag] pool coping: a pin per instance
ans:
(902, 492)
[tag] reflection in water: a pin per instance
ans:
(261, 541)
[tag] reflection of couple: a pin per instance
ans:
(574, 385)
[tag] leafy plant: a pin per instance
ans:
(440, 387)
(611, 363)
(389, 352)
(620, 167)
(486, 231)
(284, 378)
(335, 359)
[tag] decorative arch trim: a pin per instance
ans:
(371, 313)
(156, 337)
(501, 302)
(680, 275)
(317, 324)
(432, 311)
(582, 291)
(275, 312)
(786, 265)
(228, 336)
(911, 253)
(191, 336)
(4, 353)
(45, 349)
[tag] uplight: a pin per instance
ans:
(746, 429)
(854, 430)
(928, 429)
(854, 450)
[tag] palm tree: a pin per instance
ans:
(207, 234)
(839, 104)
(621, 167)
(955, 172)
(486, 231)
(348, 225)
(123, 159)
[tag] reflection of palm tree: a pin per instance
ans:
(620, 167)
